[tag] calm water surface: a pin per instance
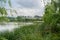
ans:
(12, 25)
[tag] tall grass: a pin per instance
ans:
(23, 33)
(31, 32)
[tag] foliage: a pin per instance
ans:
(51, 19)
(23, 33)
(3, 11)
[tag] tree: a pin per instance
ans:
(3, 11)
(52, 14)
(51, 19)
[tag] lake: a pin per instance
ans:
(12, 25)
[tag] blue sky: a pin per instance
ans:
(27, 7)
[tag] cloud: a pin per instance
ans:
(27, 7)
(30, 3)
(25, 12)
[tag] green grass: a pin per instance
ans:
(23, 33)
(31, 32)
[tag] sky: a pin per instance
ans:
(27, 7)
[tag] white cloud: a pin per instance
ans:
(30, 3)
(25, 12)
(27, 7)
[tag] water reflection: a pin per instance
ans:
(12, 25)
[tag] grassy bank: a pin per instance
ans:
(30, 32)
(24, 33)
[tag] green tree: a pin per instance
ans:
(51, 19)
(3, 11)
(52, 14)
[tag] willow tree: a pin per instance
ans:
(3, 11)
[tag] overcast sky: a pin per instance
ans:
(27, 7)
